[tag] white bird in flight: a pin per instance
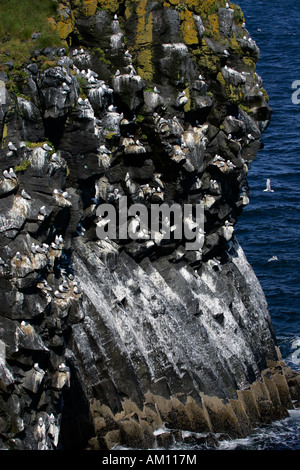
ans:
(268, 186)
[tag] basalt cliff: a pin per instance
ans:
(132, 342)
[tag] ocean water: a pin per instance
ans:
(270, 225)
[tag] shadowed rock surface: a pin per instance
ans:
(129, 342)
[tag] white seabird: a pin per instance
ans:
(43, 211)
(7, 175)
(12, 147)
(55, 246)
(58, 295)
(12, 173)
(25, 195)
(228, 230)
(104, 149)
(268, 186)
(58, 239)
(112, 108)
(47, 147)
(62, 288)
(55, 158)
(66, 195)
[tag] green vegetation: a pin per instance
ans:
(18, 21)
(34, 145)
(181, 7)
(101, 55)
(23, 167)
(238, 15)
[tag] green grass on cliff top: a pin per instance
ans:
(19, 19)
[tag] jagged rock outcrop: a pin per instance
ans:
(104, 342)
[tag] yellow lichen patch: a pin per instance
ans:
(187, 106)
(214, 23)
(4, 135)
(89, 7)
(194, 5)
(233, 93)
(144, 38)
(64, 28)
(205, 58)
(212, 26)
(127, 13)
(64, 24)
(206, 7)
(235, 45)
(188, 28)
(110, 5)
(144, 26)
(249, 63)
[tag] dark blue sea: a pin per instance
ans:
(270, 225)
(269, 229)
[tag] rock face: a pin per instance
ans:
(106, 341)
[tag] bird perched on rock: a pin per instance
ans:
(228, 230)
(43, 210)
(7, 175)
(59, 239)
(63, 288)
(58, 192)
(58, 294)
(66, 195)
(55, 158)
(47, 147)
(12, 173)
(112, 109)
(45, 247)
(104, 149)
(25, 195)
(77, 290)
(55, 246)
(12, 147)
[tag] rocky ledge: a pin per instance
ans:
(108, 342)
